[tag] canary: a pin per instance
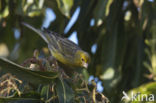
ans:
(62, 49)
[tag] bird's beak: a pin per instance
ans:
(85, 65)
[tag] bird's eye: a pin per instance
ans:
(82, 59)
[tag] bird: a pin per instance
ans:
(62, 49)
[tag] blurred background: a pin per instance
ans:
(120, 36)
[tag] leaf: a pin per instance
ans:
(45, 91)
(31, 97)
(148, 89)
(102, 9)
(64, 92)
(65, 6)
(34, 77)
(23, 100)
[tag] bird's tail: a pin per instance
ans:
(41, 33)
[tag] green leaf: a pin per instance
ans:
(34, 77)
(31, 97)
(45, 92)
(148, 89)
(64, 92)
(102, 9)
(20, 100)
(65, 6)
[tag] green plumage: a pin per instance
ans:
(64, 50)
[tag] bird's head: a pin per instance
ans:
(83, 58)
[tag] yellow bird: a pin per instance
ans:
(62, 49)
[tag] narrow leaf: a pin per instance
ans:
(64, 91)
(34, 77)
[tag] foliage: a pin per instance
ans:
(52, 86)
(144, 93)
(123, 32)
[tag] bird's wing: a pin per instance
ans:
(60, 44)
(67, 47)
(56, 42)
